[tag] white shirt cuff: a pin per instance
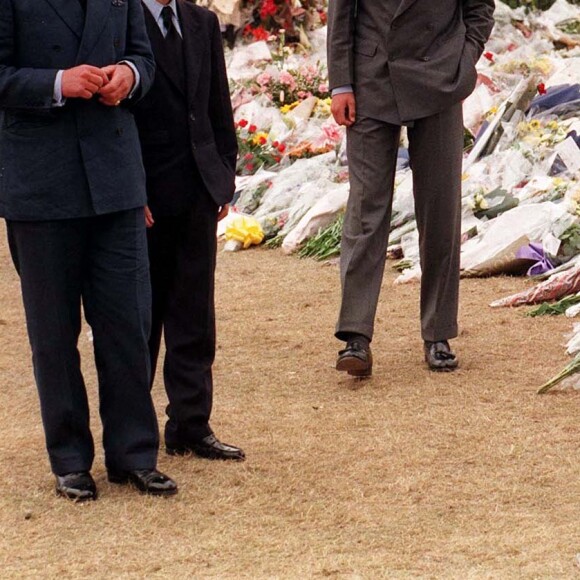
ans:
(57, 99)
(137, 76)
(342, 89)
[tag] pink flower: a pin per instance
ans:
(323, 88)
(287, 79)
(263, 79)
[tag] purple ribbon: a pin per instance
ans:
(535, 252)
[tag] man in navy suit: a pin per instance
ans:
(72, 191)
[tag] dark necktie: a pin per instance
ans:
(172, 37)
(173, 46)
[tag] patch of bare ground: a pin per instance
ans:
(409, 474)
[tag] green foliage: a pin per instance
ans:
(570, 243)
(555, 308)
(325, 244)
(534, 4)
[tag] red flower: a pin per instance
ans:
(281, 147)
(248, 156)
(275, 144)
(262, 140)
(260, 33)
(249, 166)
(252, 129)
(242, 123)
(277, 158)
(542, 89)
(269, 8)
(489, 56)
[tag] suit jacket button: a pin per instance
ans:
(192, 116)
(426, 59)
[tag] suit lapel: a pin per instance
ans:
(164, 64)
(193, 50)
(71, 13)
(403, 6)
(97, 18)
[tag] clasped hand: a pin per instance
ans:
(113, 83)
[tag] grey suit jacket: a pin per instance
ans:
(428, 48)
(82, 158)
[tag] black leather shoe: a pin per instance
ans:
(209, 447)
(78, 486)
(439, 356)
(356, 359)
(148, 481)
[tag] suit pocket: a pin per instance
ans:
(365, 47)
(16, 122)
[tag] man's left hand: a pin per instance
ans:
(223, 212)
(121, 80)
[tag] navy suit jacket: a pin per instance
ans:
(83, 158)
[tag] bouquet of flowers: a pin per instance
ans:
(256, 150)
(269, 17)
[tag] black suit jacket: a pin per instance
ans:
(82, 158)
(187, 129)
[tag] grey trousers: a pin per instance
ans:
(435, 148)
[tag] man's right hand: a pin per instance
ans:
(343, 109)
(82, 81)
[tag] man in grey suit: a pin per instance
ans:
(394, 63)
(72, 191)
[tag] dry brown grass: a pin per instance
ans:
(410, 474)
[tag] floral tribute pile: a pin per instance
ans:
(521, 181)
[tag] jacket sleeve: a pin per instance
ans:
(20, 87)
(478, 19)
(139, 49)
(220, 105)
(340, 42)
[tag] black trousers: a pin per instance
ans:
(182, 255)
(101, 261)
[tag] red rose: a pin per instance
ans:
(489, 56)
(252, 129)
(281, 147)
(542, 89)
(242, 123)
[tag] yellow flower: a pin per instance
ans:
(287, 108)
(260, 138)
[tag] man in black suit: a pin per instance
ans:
(189, 149)
(72, 191)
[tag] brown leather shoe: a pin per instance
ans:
(356, 359)
(439, 356)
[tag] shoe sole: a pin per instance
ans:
(184, 452)
(74, 498)
(443, 369)
(354, 366)
(121, 480)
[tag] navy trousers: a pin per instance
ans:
(101, 262)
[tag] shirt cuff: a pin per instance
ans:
(57, 99)
(342, 89)
(137, 76)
